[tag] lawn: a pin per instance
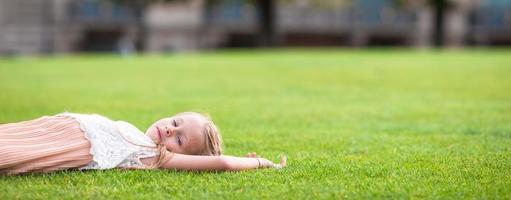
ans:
(354, 123)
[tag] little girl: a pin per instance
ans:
(186, 141)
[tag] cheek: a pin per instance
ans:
(169, 144)
(161, 123)
(172, 146)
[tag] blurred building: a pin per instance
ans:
(174, 26)
(48, 26)
(63, 26)
(489, 23)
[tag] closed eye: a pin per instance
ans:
(179, 140)
(174, 123)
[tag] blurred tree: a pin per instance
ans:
(440, 8)
(266, 10)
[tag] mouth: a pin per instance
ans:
(159, 133)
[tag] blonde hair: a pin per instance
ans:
(213, 138)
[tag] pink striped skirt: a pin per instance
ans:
(46, 144)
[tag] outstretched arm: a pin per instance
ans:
(219, 163)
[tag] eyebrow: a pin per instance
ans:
(180, 119)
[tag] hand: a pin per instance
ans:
(252, 155)
(265, 163)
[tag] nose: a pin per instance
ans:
(169, 131)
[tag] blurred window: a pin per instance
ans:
(494, 14)
(100, 11)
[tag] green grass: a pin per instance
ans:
(354, 124)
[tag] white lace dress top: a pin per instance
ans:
(114, 143)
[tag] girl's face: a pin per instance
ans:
(182, 133)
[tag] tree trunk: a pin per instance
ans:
(266, 22)
(440, 7)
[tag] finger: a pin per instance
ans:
(283, 160)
